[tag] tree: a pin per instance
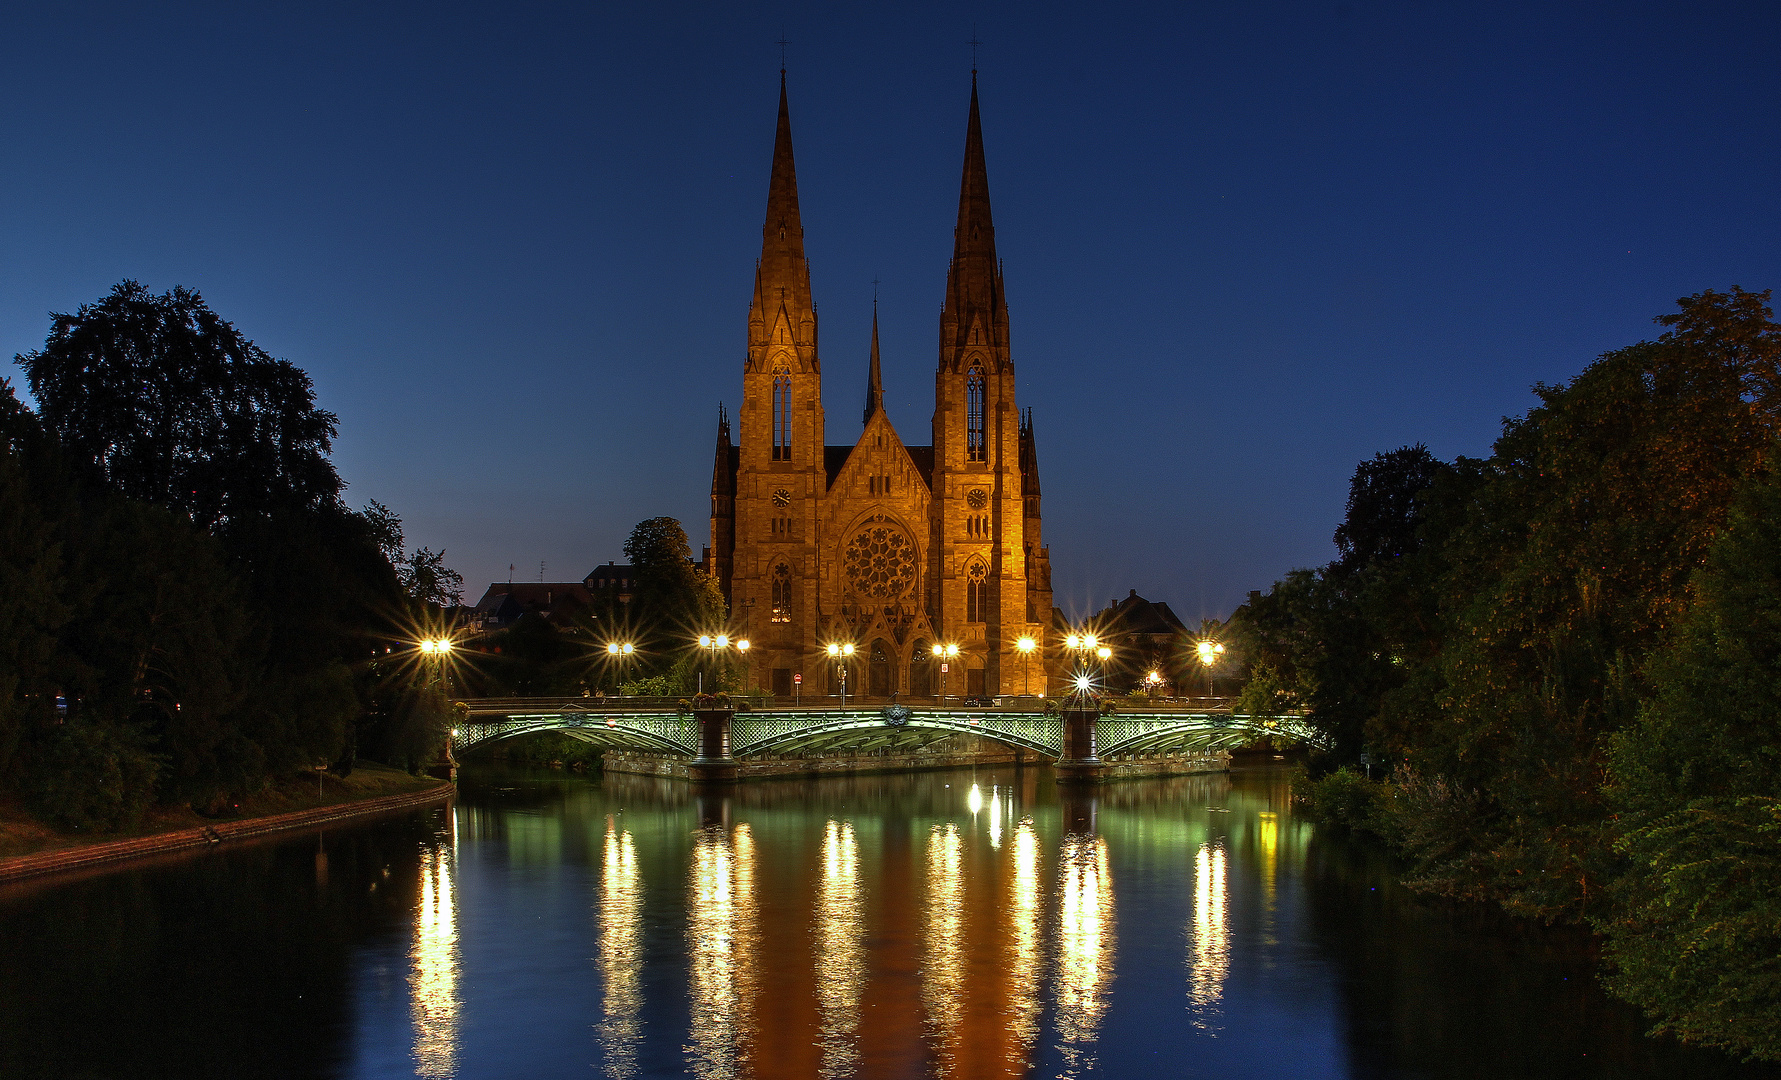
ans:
(674, 602)
(1695, 933)
(1334, 639)
(426, 578)
(1567, 567)
(162, 400)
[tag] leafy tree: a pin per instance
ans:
(1334, 639)
(426, 579)
(673, 602)
(1385, 513)
(1695, 933)
(162, 400)
(1569, 567)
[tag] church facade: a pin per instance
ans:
(889, 547)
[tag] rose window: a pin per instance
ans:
(880, 563)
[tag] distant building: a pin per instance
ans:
(621, 579)
(506, 601)
(1146, 636)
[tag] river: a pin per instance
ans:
(957, 924)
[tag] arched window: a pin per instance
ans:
(975, 449)
(782, 414)
(977, 593)
(782, 593)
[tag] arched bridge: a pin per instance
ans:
(644, 724)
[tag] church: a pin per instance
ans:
(889, 547)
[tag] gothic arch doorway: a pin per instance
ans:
(921, 671)
(880, 672)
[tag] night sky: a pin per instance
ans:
(1246, 245)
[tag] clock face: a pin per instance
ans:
(782, 497)
(977, 498)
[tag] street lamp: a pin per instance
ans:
(1154, 680)
(1209, 651)
(618, 652)
(711, 644)
(1025, 647)
(943, 653)
(840, 652)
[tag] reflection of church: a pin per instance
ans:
(889, 547)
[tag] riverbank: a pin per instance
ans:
(29, 848)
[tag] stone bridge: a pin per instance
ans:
(712, 740)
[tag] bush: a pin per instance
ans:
(1343, 797)
(92, 777)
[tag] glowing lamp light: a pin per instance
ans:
(834, 649)
(1209, 652)
(629, 648)
(1089, 641)
(612, 648)
(1104, 652)
(742, 646)
(1074, 641)
(1083, 682)
(704, 641)
(454, 733)
(847, 649)
(1026, 645)
(1153, 677)
(723, 641)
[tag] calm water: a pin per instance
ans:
(954, 924)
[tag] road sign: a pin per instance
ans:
(798, 678)
(942, 669)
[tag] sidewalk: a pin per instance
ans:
(86, 856)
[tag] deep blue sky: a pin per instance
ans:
(1247, 245)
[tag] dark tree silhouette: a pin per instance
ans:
(166, 402)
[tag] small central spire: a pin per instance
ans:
(874, 380)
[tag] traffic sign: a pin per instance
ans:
(798, 678)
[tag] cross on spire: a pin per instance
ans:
(973, 43)
(782, 43)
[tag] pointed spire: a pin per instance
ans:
(782, 282)
(975, 235)
(974, 280)
(874, 380)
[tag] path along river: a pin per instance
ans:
(957, 924)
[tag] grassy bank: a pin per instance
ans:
(22, 834)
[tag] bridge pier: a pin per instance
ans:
(714, 763)
(1078, 763)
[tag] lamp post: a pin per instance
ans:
(1153, 680)
(1209, 651)
(713, 644)
(840, 652)
(945, 653)
(1025, 647)
(619, 652)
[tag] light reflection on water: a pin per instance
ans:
(840, 934)
(433, 971)
(943, 963)
(1024, 894)
(621, 953)
(1209, 956)
(721, 940)
(1085, 948)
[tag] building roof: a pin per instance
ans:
(558, 601)
(1136, 615)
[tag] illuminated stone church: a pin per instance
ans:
(886, 546)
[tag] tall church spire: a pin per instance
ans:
(874, 380)
(975, 311)
(782, 304)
